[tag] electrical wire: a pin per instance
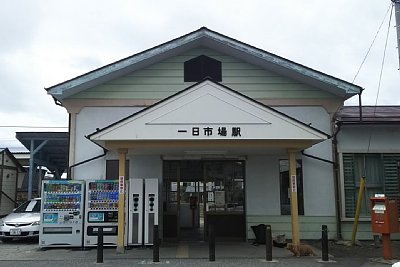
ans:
(373, 41)
(381, 71)
(383, 58)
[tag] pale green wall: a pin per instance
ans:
(310, 226)
(363, 231)
(166, 78)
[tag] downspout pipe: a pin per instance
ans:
(317, 158)
(360, 106)
(90, 159)
(336, 180)
(337, 177)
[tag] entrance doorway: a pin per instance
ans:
(197, 193)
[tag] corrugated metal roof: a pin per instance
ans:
(53, 155)
(370, 114)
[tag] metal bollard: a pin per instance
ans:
(268, 243)
(211, 242)
(156, 245)
(324, 243)
(100, 244)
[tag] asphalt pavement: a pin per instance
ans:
(23, 253)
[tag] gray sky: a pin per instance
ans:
(45, 42)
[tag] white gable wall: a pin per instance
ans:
(318, 176)
(87, 120)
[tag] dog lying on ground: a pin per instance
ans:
(301, 250)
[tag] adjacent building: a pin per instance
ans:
(10, 171)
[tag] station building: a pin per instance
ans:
(236, 136)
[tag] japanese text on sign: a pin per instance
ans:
(293, 183)
(210, 131)
(121, 185)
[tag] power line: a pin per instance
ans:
(381, 72)
(383, 58)
(373, 41)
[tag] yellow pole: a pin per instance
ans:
(359, 201)
(121, 201)
(293, 198)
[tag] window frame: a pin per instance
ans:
(300, 187)
(387, 160)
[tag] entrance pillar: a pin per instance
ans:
(121, 200)
(293, 197)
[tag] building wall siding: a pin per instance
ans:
(310, 226)
(369, 139)
(363, 231)
(87, 121)
(9, 186)
(166, 78)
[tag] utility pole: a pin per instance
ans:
(396, 4)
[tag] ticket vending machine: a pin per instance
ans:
(135, 217)
(151, 209)
(143, 211)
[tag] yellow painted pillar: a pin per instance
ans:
(121, 201)
(293, 197)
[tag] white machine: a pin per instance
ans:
(61, 217)
(143, 211)
(135, 217)
(151, 209)
(101, 210)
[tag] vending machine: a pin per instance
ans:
(61, 216)
(143, 211)
(101, 210)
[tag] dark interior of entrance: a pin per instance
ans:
(197, 193)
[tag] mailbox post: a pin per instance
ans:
(384, 220)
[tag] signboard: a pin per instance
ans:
(220, 131)
(293, 183)
(121, 185)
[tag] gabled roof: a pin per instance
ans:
(213, 40)
(208, 105)
(7, 152)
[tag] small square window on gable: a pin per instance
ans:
(201, 67)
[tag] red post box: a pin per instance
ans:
(384, 220)
(384, 215)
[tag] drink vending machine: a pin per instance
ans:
(143, 211)
(61, 216)
(101, 210)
